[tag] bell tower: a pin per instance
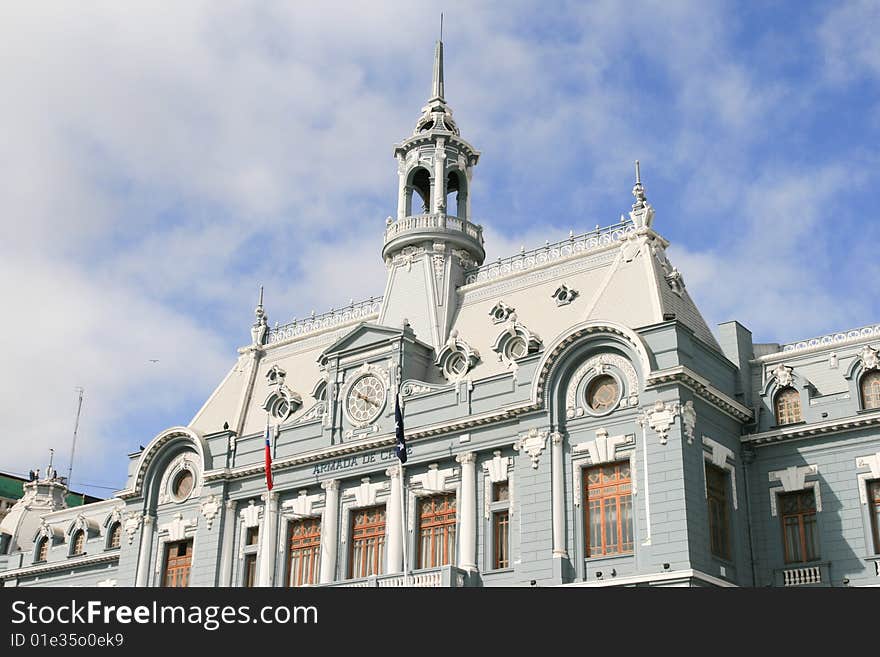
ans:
(432, 241)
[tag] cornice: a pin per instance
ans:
(705, 390)
(67, 564)
(800, 431)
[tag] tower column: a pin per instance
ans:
(267, 549)
(401, 187)
(394, 524)
(467, 557)
(143, 567)
(228, 543)
(440, 177)
(329, 530)
(558, 497)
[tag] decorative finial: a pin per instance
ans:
(639, 190)
(437, 82)
(441, 26)
(258, 311)
(260, 329)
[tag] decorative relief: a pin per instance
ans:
(434, 480)
(660, 418)
(689, 420)
(792, 479)
(532, 443)
(411, 388)
(497, 467)
(675, 281)
(869, 357)
(250, 515)
(596, 366)
(564, 295)
(176, 529)
(603, 448)
(871, 462)
(209, 508)
(501, 312)
(301, 506)
(783, 375)
(131, 524)
(365, 494)
(464, 258)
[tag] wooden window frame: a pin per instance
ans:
(869, 390)
(181, 564)
(43, 550)
(360, 535)
(787, 406)
(874, 511)
(601, 492)
(306, 571)
(78, 543)
(114, 537)
(717, 498)
(441, 526)
(249, 570)
(800, 515)
(500, 525)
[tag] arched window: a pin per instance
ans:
(455, 183)
(79, 541)
(871, 390)
(43, 549)
(115, 535)
(788, 406)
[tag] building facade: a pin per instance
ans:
(570, 420)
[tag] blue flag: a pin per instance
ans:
(400, 446)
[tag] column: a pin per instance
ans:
(467, 557)
(143, 567)
(228, 544)
(394, 525)
(267, 547)
(401, 187)
(329, 530)
(440, 177)
(558, 488)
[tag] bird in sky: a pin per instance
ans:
(154, 360)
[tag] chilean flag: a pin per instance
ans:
(268, 458)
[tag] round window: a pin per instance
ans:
(517, 348)
(182, 485)
(457, 364)
(603, 393)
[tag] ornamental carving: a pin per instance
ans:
(783, 375)
(869, 357)
(604, 448)
(130, 525)
(660, 418)
(532, 443)
(689, 420)
(457, 358)
(564, 295)
(302, 505)
(595, 366)
(177, 527)
(501, 312)
(209, 509)
(434, 479)
(515, 341)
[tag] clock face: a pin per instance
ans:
(365, 399)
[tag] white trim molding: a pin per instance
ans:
(724, 458)
(792, 479)
(532, 443)
(872, 462)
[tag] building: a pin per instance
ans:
(570, 419)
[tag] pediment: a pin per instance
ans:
(361, 337)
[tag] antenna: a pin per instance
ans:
(79, 404)
(441, 26)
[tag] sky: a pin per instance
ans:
(161, 161)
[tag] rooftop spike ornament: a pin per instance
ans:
(260, 329)
(642, 214)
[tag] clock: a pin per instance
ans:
(365, 400)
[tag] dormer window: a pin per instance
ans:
(870, 389)
(115, 536)
(788, 406)
(43, 549)
(79, 542)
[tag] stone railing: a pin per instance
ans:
(574, 245)
(433, 222)
(802, 575)
(442, 577)
(355, 311)
(834, 339)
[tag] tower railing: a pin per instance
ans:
(574, 245)
(433, 222)
(354, 311)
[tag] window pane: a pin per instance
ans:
(608, 505)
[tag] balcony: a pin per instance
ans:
(814, 574)
(429, 578)
(421, 227)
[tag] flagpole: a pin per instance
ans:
(403, 516)
(399, 400)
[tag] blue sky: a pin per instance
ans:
(159, 164)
